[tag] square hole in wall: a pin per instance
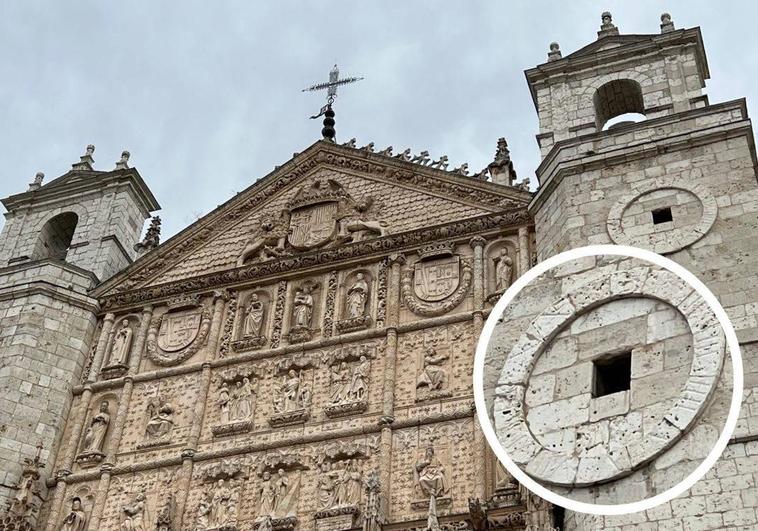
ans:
(611, 374)
(662, 215)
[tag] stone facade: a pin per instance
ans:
(300, 357)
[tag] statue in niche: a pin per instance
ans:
(352, 481)
(286, 495)
(291, 396)
(122, 342)
(223, 506)
(161, 420)
(202, 522)
(341, 384)
(76, 519)
(357, 297)
(95, 435)
(327, 484)
(254, 317)
(503, 271)
(266, 496)
(134, 515)
(433, 377)
(430, 474)
(303, 307)
(359, 384)
(225, 404)
(243, 400)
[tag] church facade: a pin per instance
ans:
(301, 357)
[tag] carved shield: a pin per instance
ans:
(313, 225)
(436, 279)
(178, 330)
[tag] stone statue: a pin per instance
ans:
(224, 402)
(95, 435)
(223, 506)
(291, 396)
(430, 474)
(303, 307)
(76, 519)
(340, 381)
(243, 407)
(326, 486)
(202, 522)
(359, 383)
(286, 495)
(503, 272)
(433, 377)
(357, 297)
(352, 483)
(254, 317)
(266, 496)
(266, 524)
(161, 420)
(134, 515)
(122, 342)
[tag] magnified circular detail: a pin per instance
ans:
(603, 381)
(664, 216)
(548, 458)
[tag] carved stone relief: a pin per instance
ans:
(93, 443)
(292, 394)
(237, 399)
(22, 509)
(499, 268)
(304, 314)
(356, 302)
(437, 282)
(433, 483)
(349, 379)
(159, 425)
(278, 491)
(119, 349)
(75, 518)
(254, 317)
(432, 380)
(179, 333)
(218, 508)
(134, 517)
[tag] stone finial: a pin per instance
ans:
(607, 27)
(123, 163)
(36, 184)
(667, 24)
(501, 169)
(152, 237)
(85, 161)
(462, 169)
(555, 52)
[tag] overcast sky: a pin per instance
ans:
(206, 95)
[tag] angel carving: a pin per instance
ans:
(359, 221)
(267, 240)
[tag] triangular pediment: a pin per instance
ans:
(326, 197)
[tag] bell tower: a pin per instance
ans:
(60, 239)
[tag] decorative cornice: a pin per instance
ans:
(455, 187)
(379, 246)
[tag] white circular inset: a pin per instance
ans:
(663, 286)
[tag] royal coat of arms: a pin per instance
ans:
(313, 225)
(177, 334)
(435, 280)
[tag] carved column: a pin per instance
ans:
(523, 250)
(102, 493)
(390, 362)
(477, 243)
(105, 335)
(183, 485)
(78, 420)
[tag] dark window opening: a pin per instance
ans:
(55, 237)
(616, 98)
(662, 215)
(612, 374)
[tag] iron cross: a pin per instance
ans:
(331, 88)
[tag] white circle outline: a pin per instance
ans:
(735, 358)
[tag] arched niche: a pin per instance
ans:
(616, 98)
(254, 315)
(494, 268)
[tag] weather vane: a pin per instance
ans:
(328, 132)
